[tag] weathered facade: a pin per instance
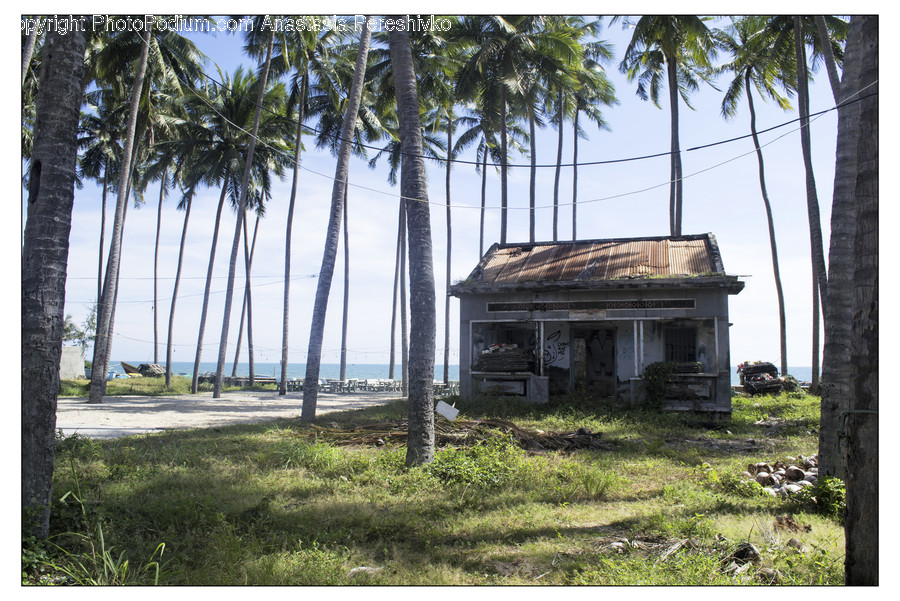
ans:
(543, 319)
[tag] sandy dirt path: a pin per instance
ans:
(125, 415)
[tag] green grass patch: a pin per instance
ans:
(147, 386)
(662, 503)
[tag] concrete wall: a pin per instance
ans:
(71, 363)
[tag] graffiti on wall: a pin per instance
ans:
(555, 350)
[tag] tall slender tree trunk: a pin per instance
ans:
(575, 177)
(169, 342)
(413, 187)
(45, 251)
(559, 150)
(837, 304)
(483, 199)
(675, 185)
(449, 254)
(532, 184)
(862, 419)
(404, 303)
(504, 159)
(112, 312)
(346, 311)
(102, 230)
(400, 230)
(162, 192)
(326, 273)
(248, 263)
(110, 287)
(201, 330)
(282, 386)
(242, 203)
(28, 50)
(246, 306)
(812, 201)
(782, 319)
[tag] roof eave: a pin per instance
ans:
(731, 283)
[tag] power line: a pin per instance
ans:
(553, 165)
(810, 118)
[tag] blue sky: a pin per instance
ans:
(721, 195)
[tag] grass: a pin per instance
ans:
(146, 386)
(289, 504)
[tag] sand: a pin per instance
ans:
(126, 415)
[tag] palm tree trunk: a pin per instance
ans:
(413, 187)
(28, 50)
(346, 312)
(483, 198)
(102, 231)
(837, 305)
(559, 149)
(104, 307)
(861, 524)
(248, 263)
(115, 299)
(326, 273)
(242, 203)
(830, 66)
(282, 386)
(404, 320)
(449, 248)
(206, 290)
(187, 216)
(162, 190)
(396, 289)
(861, 527)
(812, 201)
(45, 250)
(675, 184)
(504, 189)
(246, 307)
(532, 184)
(575, 177)
(782, 319)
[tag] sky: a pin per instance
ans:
(626, 199)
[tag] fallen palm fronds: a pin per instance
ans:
(461, 433)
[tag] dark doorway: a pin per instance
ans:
(594, 360)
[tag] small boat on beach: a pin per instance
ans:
(130, 369)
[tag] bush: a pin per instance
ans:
(827, 497)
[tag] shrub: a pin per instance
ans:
(827, 497)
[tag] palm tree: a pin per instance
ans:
(242, 204)
(675, 50)
(167, 59)
(45, 249)
(217, 150)
(313, 359)
(594, 89)
(756, 63)
(110, 287)
(482, 132)
(856, 178)
(505, 50)
(306, 54)
(420, 440)
(247, 304)
(99, 142)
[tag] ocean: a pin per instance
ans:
(363, 371)
(327, 371)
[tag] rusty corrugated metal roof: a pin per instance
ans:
(593, 260)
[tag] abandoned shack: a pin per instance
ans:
(550, 318)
